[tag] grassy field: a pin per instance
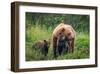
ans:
(36, 33)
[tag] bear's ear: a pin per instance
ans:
(63, 30)
(45, 41)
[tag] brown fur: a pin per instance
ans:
(38, 45)
(69, 34)
(42, 45)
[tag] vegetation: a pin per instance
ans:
(39, 26)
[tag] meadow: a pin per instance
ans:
(39, 26)
(36, 33)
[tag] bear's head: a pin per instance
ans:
(68, 32)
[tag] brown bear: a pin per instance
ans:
(69, 34)
(42, 46)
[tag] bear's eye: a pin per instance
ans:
(59, 33)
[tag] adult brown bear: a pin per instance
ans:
(69, 34)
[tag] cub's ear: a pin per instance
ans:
(45, 40)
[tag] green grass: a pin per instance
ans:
(36, 33)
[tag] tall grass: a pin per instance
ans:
(36, 33)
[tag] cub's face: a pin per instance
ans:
(46, 43)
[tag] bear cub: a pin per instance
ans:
(42, 46)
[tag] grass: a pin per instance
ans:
(36, 33)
